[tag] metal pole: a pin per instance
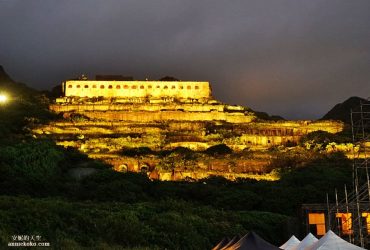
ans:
(328, 209)
(358, 211)
(337, 205)
(347, 210)
(353, 152)
(355, 178)
(361, 143)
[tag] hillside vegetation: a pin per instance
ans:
(112, 210)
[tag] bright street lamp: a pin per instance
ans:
(3, 98)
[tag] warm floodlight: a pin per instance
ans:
(3, 98)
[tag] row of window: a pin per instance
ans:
(132, 87)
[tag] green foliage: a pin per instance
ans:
(30, 163)
(179, 159)
(155, 214)
(320, 136)
(307, 183)
(25, 108)
(39, 167)
(320, 139)
(112, 210)
(220, 149)
(78, 118)
(286, 159)
(167, 224)
(140, 151)
(108, 185)
(178, 150)
(183, 151)
(17, 116)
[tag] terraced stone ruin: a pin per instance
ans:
(164, 128)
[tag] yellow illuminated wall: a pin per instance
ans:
(137, 89)
(317, 219)
(367, 216)
(346, 222)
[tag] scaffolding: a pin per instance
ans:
(350, 216)
(360, 123)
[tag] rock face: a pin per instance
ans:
(108, 127)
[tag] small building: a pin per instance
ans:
(137, 89)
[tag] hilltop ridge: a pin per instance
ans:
(4, 77)
(15, 88)
(342, 111)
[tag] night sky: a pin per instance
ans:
(294, 58)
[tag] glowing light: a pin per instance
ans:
(3, 98)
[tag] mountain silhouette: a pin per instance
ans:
(13, 88)
(342, 111)
(4, 77)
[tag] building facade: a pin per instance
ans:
(137, 89)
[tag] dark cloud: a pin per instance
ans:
(294, 58)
